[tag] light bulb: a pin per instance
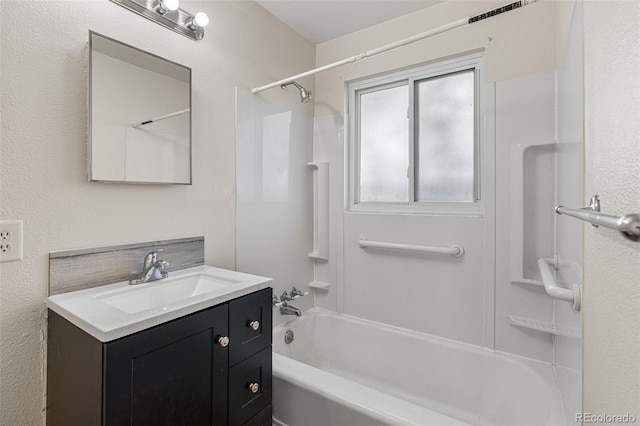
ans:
(164, 6)
(201, 20)
(170, 4)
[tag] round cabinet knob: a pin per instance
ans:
(253, 387)
(254, 325)
(223, 341)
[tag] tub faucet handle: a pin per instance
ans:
(284, 297)
(295, 293)
(276, 302)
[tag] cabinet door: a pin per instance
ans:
(245, 341)
(172, 374)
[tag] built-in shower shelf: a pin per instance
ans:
(544, 326)
(319, 285)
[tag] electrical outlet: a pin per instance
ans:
(10, 240)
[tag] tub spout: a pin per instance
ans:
(286, 309)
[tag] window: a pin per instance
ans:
(414, 137)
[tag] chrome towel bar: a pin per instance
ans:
(628, 225)
(455, 250)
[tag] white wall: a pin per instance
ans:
(436, 296)
(43, 153)
(611, 360)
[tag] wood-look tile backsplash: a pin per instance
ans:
(86, 268)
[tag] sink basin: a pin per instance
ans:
(160, 294)
(117, 310)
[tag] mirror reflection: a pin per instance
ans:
(140, 116)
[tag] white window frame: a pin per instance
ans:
(409, 77)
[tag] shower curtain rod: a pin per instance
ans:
(412, 39)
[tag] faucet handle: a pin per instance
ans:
(285, 297)
(276, 302)
(295, 293)
(151, 258)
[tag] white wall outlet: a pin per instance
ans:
(10, 240)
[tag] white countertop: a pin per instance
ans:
(113, 311)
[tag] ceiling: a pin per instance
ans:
(323, 20)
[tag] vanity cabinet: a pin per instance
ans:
(182, 372)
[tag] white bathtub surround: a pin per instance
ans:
(470, 299)
(344, 371)
(275, 193)
(456, 298)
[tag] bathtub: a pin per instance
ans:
(345, 371)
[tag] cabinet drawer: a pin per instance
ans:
(252, 310)
(244, 402)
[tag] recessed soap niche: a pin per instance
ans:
(538, 206)
(532, 195)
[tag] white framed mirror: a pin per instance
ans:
(139, 115)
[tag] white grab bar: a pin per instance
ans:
(455, 250)
(553, 289)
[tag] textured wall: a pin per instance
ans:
(611, 359)
(43, 153)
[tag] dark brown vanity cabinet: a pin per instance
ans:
(179, 373)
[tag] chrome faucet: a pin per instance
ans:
(152, 269)
(287, 309)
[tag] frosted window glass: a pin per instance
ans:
(384, 145)
(445, 149)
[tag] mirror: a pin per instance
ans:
(139, 115)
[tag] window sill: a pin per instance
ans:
(433, 209)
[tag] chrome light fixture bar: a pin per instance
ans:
(168, 14)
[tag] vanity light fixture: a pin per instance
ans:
(168, 14)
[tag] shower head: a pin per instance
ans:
(305, 95)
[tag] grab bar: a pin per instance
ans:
(628, 225)
(553, 289)
(455, 250)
